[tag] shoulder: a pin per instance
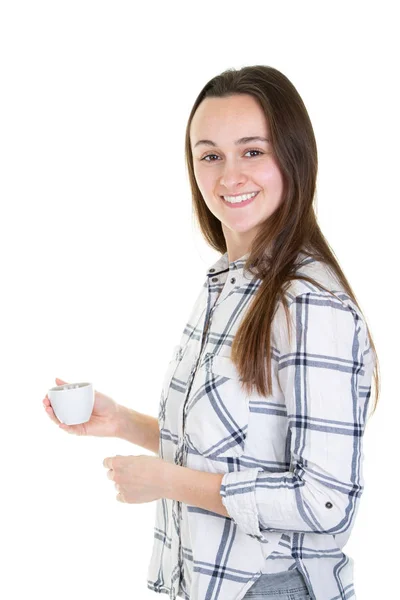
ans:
(323, 308)
(325, 287)
(311, 268)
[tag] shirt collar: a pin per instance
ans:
(222, 266)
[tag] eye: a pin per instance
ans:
(208, 155)
(258, 152)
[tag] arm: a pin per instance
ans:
(319, 372)
(197, 488)
(139, 429)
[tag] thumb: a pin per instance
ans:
(60, 381)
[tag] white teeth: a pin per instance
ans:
(235, 199)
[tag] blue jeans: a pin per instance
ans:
(286, 585)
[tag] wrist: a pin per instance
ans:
(168, 479)
(193, 487)
(121, 421)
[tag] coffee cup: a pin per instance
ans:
(72, 403)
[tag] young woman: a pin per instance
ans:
(264, 403)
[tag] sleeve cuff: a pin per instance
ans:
(237, 492)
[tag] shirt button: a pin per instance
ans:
(214, 279)
(212, 270)
(233, 280)
(329, 505)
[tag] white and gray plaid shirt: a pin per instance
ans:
(292, 462)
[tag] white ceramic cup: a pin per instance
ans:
(72, 402)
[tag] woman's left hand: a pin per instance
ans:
(138, 479)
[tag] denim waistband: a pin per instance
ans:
(285, 581)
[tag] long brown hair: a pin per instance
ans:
(291, 229)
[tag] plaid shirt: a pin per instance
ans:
(292, 462)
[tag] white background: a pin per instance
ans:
(98, 244)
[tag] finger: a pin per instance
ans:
(60, 381)
(50, 413)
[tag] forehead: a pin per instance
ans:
(228, 118)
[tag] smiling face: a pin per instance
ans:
(226, 164)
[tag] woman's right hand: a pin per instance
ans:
(103, 421)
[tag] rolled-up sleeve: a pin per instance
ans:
(319, 374)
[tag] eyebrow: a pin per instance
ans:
(243, 140)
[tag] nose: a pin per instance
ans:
(232, 176)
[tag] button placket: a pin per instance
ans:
(182, 449)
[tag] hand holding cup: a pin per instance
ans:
(103, 421)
